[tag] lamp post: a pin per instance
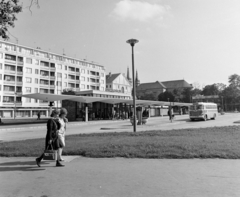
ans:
(132, 42)
(222, 105)
(15, 101)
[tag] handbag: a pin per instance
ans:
(50, 154)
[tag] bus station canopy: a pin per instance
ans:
(90, 99)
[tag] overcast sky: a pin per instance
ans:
(195, 40)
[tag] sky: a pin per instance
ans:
(195, 40)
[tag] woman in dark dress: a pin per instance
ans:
(52, 140)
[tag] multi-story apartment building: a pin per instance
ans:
(25, 70)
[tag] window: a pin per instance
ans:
(36, 62)
(28, 80)
(106, 86)
(88, 79)
(77, 85)
(65, 67)
(60, 66)
(77, 69)
(36, 71)
(87, 86)
(59, 75)
(36, 90)
(29, 60)
(28, 100)
(65, 84)
(35, 100)
(59, 83)
(29, 70)
(65, 76)
(9, 88)
(1, 66)
(88, 72)
(82, 78)
(102, 74)
(28, 89)
(83, 71)
(82, 86)
(77, 77)
(36, 81)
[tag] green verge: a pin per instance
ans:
(214, 142)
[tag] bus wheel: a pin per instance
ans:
(214, 117)
(205, 118)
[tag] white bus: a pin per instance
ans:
(203, 111)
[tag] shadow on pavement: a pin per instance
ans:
(6, 169)
(21, 163)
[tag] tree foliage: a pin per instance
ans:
(8, 11)
(166, 96)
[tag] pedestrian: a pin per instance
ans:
(39, 115)
(61, 134)
(51, 139)
(170, 113)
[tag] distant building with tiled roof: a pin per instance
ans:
(118, 83)
(150, 91)
(171, 85)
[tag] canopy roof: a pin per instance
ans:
(89, 99)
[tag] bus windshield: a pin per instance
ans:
(196, 107)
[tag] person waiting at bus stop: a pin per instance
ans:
(170, 113)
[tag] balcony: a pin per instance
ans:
(96, 83)
(8, 92)
(52, 77)
(71, 72)
(52, 86)
(10, 61)
(95, 76)
(19, 82)
(52, 68)
(20, 63)
(44, 85)
(19, 73)
(9, 103)
(71, 80)
(44, 104)
(44, 76)
(10, 71)
(44, 67)
(9, 82)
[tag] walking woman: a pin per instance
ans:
(61, 134)
(52, 140)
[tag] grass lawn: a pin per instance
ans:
(215, 142)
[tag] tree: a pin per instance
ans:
(8, 11)
(234, 80)
(166, 96)
(210, 90)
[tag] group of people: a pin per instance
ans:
(55, 137)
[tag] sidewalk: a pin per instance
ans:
(119, 177)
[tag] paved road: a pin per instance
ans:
(21, 132)
(119, 177)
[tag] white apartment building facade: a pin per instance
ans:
(25, 70)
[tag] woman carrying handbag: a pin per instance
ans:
(51, 139)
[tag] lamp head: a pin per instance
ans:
(132, 42)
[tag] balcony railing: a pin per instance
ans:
(52, 86)
(52, 77)
(8, 92)
(44, 85)
(52, 68)
(44, 76)
(10, 61)
(20, 63)
(44, 67)
(95, 76)
(9, 82)
(19, 73)
(10, 71)
(19, 82)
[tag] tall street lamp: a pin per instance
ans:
(132, 42)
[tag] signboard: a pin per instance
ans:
(112, 90)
